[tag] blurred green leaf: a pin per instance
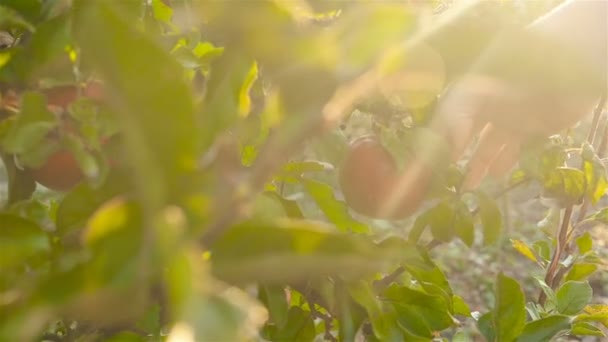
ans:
(544, 329)
(567, 185)
(32, 125)
(581, 271)
(586, 329)
(573, 296)
(227, 88)
(20, 240)
(461, 307)
(432, 311)
(542, 249)
(11, 18)
(595, 174)
(30, 9)
(509, 314)
(523, 249)
(43, 55)
(585, 241)
(294, 250)
(114, 234)
(274, 299)
(299, 327)
(383, 320)
(146, 88)
(126, 336)
(82, 201)
(491, 218)
(485, 324)
(335, 210)
(441, 222)
(594, 313)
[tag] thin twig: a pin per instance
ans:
(562, 241)
(326, 318)
(591, 137)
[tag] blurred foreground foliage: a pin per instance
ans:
(208, 209)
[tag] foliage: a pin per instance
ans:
(207, 207)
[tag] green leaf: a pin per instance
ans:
(585, 241)
(162, 12)
(20, 240)
(275, 300)
(335, 210)
(509, 315)
(299, 327)
(463, 225)
(486, 327)
(573, 296)
(426, 313)
(567, 185)
(552, 299)
(544, 329)
(33, 124)
(586, 329)
(291, 207)
(114, 234)
(29, 9)
(11, 18)
(441, 222)
(542, 249)
(581, 271)
(384, 322)
(223, 101)
(595, 174)
(44, 54)
(294, 250)
(82, 201)
(461, 307)
(145, 87)
(491, 219)
(151, 320)
(126, 336)
(595, 313)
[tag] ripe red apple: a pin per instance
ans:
(61, 171)
(373, 185)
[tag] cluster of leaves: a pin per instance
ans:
(203, 221)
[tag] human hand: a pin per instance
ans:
(528, 84)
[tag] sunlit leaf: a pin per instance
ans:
(567, 185)
(585, 241)
(595, 174)
(581, 271)
(292, 250)
(491, 218)
(509, 315)
(586, 329)
(335, 210)
(21, 239)
(33, 124)
(523, 249)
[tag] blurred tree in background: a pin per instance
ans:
(171, 173)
